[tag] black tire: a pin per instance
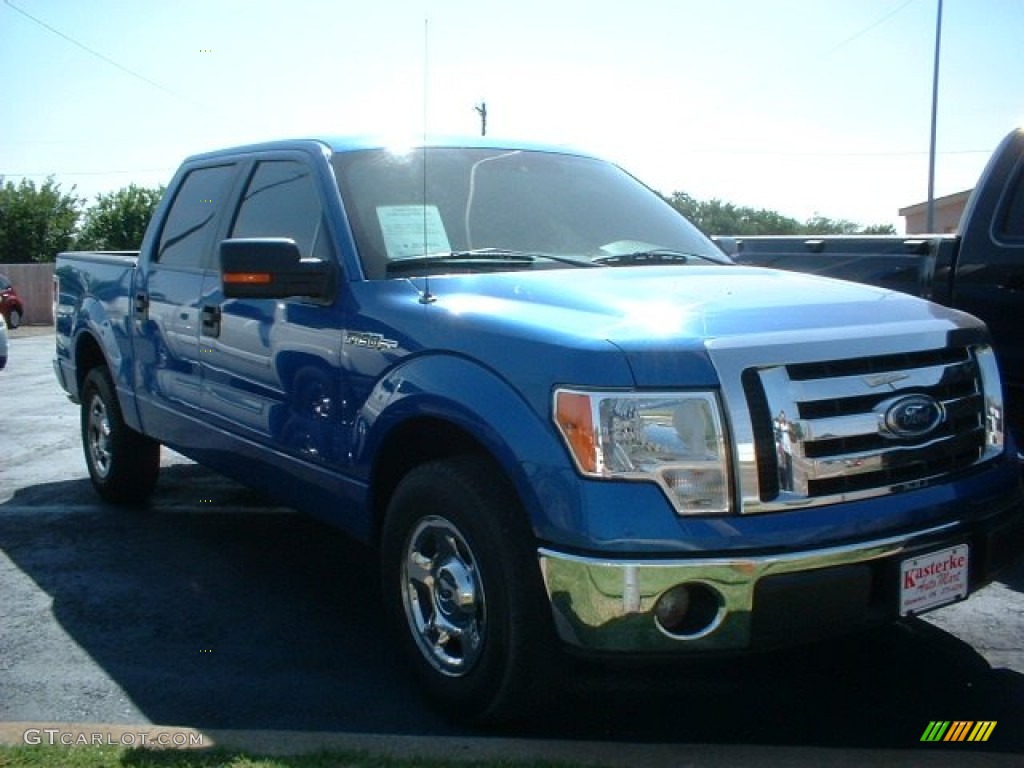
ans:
(462, 587)
(123, 464)
(13, 318)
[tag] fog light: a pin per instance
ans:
(688, 611)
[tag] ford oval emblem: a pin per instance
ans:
(912, 416)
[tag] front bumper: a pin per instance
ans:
(752, 602)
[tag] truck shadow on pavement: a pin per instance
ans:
(210, 609)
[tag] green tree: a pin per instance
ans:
(36, 222)
(821, 225)
(879, 229)
(716, 217)
(117, 221)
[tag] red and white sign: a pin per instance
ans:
(931, 580)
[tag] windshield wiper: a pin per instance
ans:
(574, 260)
(484, 257)
(652, 256)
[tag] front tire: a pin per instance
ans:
(463, 589)
(122, 463)
(13, 319)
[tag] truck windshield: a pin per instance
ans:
(503, 210)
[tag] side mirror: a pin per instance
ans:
(271, 268)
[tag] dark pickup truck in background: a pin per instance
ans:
(980, 270)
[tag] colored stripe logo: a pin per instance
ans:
(958, 730)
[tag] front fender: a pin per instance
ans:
(478, 401)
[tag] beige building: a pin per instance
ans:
(948, 210)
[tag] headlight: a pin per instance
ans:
(674, 439)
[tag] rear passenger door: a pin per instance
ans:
(167, 307)
(271, 372)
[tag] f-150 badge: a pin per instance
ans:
(369, 340)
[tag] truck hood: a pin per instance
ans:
(653, 313)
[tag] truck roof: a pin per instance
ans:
(340, 143)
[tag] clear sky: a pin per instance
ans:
(801, 106)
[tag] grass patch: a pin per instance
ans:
(124, 757)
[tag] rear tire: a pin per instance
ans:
(123, 464)
(462, 587)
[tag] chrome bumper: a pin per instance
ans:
(607, 605)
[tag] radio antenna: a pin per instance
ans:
(426, 297)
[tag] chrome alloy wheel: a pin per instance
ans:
(443, 596)
(98, 436)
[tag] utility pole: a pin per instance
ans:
(481, 110)
(935, 109)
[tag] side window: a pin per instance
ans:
(185, 239)
(1011, 224)
(281, 201)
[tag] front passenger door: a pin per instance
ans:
(271, 372)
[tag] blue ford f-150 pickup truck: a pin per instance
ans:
(563, 416)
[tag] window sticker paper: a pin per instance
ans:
(412, 230)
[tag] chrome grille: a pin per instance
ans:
(818, 427)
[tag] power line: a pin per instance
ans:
(805, 61)
(100, 56)
(866, 29)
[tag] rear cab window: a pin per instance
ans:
(187, 233)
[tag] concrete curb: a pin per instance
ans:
(449, 749)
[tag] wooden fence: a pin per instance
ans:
(34, 284)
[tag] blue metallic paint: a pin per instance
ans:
(634, 518)
(485, 355)
(103, 318)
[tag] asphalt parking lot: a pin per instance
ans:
(212, 608)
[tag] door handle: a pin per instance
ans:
(211, 320)
(142, 305)
(1014, 282)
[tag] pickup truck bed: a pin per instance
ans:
(103, 279)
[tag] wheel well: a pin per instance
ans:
(411, 444)
(88, 355)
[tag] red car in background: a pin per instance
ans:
(3, 343)
(10, 304)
